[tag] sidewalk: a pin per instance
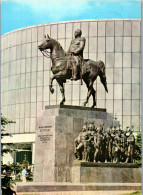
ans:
(81, 193)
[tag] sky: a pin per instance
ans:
(22, 13)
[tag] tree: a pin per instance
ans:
(138, 148)
(5, 180)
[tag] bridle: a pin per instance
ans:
(46, 53)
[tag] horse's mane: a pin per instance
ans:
(57, 43)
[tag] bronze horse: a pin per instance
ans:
(62, 69)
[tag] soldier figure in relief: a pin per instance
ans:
(76, 50)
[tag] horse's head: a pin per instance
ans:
(46, 44)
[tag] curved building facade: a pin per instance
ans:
(25, 72)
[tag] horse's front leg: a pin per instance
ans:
(51, 83)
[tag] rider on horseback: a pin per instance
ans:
(76, 50)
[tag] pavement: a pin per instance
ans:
(81, 193)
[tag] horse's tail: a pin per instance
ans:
(102, 75)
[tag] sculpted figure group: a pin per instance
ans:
(115, 145)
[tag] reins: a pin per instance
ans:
(46, 53)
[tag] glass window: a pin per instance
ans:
(135, 75)
(28, 35)
(22, 125)
(22, 83)
(54, 31)
(33, 94)
(118, 44)
(61, 31)
(117, 107)
(40, 79)
(117, 75)
(46, 78)
(101, 44)
(34, 34)
(100, 103)
(135, 107)
(22, 99)
(84, 28)
(28, 79)
(127, 60)
(17, 126)
(33, 109)
(93, 29)
(136, 28)
(127, 75)
(135, 59)
(126, 91)
(34, 64)
(40, 94)
(27, 123)
(126, 121)
(118, 59)
(110, 28)
(127, 44)
(117, 91)
(17, 83)
(47, 64)
(40, 33)
(34, 49)
(46, 93)
(27, 95)
(75, 92)
(40, 63)
(27, 110)
(17, 96)
(23, 51)
(33, 79)
(28, 50)
(101, 28)
(18, 66)
(18, 37)
(100, 92)
(69, 30)
(23, 35)
(109, 75)
(17, 110)
(135, 91)
(32, 125)
(126, 107)
(109, 95)
(39, 109)
(127, 28)
(93, 44)
(28, 64)
(18, 51)
(136, 42)
(109, 44)
(21, 110)
(136, 123)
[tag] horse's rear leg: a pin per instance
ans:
(92, 92)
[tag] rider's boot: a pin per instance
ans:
(74, 77)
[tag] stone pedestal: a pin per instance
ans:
(54, 146)
(88, 172)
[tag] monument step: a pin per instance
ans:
(53, 187)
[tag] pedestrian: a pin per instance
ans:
(24, 173)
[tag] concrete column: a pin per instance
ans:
(33, 152)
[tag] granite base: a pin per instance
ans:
(88, 172)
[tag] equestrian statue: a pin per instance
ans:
(71, 65)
